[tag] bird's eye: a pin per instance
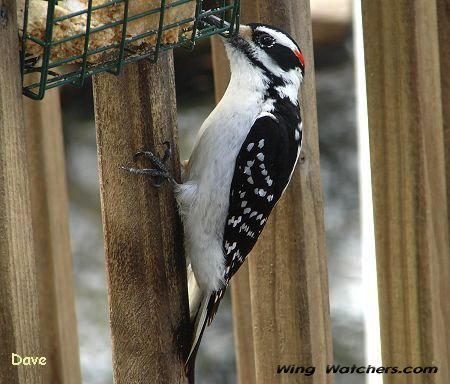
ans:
(265, 40)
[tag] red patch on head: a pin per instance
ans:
(300, 57)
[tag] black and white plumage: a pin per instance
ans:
(242, 162)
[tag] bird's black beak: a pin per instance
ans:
(216, 21)
(237, 39)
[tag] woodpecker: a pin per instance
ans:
(243, 160)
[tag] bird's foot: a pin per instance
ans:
(160, 173)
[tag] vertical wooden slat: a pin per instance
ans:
(19, 317)
(288, 268)
(49, 207)
(243, 326)
(287, 285)
(408, 174)
(443, 13)
(240, 285)
(142, 232)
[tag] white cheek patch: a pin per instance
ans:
(263, 57)
(290, 77)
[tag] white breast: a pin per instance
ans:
(204, 196)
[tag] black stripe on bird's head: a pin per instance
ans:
(270, 48)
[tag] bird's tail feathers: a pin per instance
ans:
(198, 308)
(195, 293)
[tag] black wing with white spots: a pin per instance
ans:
(262, 171)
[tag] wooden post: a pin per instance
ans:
(19, 313)
(443, 14)
(144, 250)
(287, 284)
(49, 208)
(408, 175)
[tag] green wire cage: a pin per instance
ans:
(68, 41)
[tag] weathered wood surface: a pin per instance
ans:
(287, 283)
(408, 176)
(288, 268)
(19, 312)
(143, 246)
(49, 208)
(443, 14)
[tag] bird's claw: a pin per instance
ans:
(159, 174)
(167, 152)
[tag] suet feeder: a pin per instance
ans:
(69, 41)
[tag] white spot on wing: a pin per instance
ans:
(234, 221)
(260, 156)
(250, 146)
(244, 227)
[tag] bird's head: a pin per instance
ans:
(267, 48)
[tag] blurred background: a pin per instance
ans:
(335, 82)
